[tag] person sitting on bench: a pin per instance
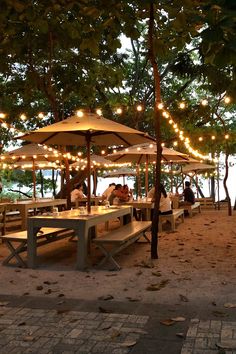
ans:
(165, 202)
(189, 198)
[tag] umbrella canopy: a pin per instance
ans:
(146, 153)
(31, 152)
(197, 168)
(143, 153)
(87, 129)
(77, 130)
(31, 156)
(121, 172)
(96, 161)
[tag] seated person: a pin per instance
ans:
(151, 194)
(127, 193)
(188, 195)
(106, 194)
(77, 193)
(165, 202)
(117, 196)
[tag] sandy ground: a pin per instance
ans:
(198, 261)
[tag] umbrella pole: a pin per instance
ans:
(68, 188)
(34, 180)
(138, 182)
(146, 176)
(171, 177)
(88, 143)
(94, 180)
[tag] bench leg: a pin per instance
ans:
(15, 253)
(108, 257)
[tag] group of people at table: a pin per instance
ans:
(117, 194)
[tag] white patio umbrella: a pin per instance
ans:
(146, 153)
(197, 168)
(32, 156)
(120, 172)
(87, 129)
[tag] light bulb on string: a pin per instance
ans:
(79, 113)
(227, 99)
(204, 102)
(2, 115)
(160, 105)
(23, 117)
(99, 111)
(119, 110)
(182, 105)
(139, 108)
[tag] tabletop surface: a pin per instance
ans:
(43, 200)
(81, 213)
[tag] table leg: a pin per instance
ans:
(31, 246)
(82, 247)
(23, 212)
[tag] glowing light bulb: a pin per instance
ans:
(182, 105)
(119, 111)
(99, 111)
(2, 115)
(170, 121)
(227, 99)
(200, 138)
(175, 143)
(79, 113)
(204, 102)
(226, 136)
(23, 117)
(213, 137)
(160, 106)
(41, 115)
(139, 108)
(103, 152)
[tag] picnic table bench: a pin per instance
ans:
(190, 208)
(44, 236)
(171, 218)
(118, 239)
(205, 202)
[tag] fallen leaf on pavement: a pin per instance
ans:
(157, 274)
(167, 322)
(102, 310)
(183, 298)
(229, 305)
(180, 335)
(128, 344)
(106, 297)
(158, 286)
(178, 319)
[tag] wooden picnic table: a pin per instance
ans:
(145, 205)
(24, 205)
(80, 223)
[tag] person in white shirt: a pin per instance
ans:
(77, 193)
(106, 194)
(165, 207)
(151, 193)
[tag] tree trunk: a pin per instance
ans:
(157, 118)
(213, 194)
(225, 182)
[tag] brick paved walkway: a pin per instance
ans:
(210, 337)
(43, 331)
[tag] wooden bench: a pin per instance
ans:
(121, 238)
(191, 208)
(44, 236)
(205, 202)
(171, 218)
